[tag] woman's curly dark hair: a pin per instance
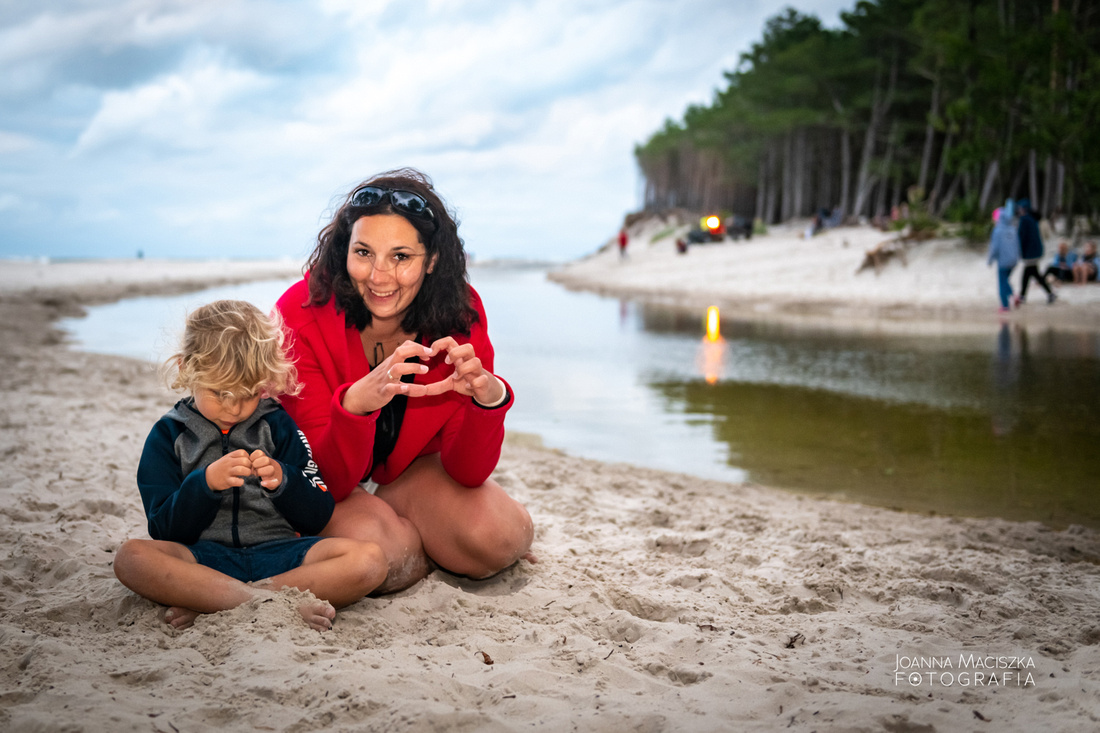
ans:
(442, 306)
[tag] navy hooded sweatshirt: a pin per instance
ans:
(182, 508)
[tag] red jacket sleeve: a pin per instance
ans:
(472, 438)
(342, 442)
(473, 435)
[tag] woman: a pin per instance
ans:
(391, 349)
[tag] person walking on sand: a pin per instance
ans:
(1031, 251)
(399, 398)
(1004, 249)
(230, 487)
(624, 239)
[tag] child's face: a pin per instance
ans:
(223, 412)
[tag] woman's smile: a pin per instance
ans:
(387, 263)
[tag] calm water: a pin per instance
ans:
(1006, 424)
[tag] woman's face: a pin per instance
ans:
(388, 263)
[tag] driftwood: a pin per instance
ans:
(883, 252)
(895, 247)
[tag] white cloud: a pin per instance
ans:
(178, 110)
(209, 123)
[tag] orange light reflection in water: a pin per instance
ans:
(712, 352)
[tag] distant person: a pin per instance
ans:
(624, 239)
(1061, 267)
(230, 488)
(1004, 249)
(1084, 270)
(1031, 251)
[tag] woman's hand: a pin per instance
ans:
(375, 389)
(469, 377)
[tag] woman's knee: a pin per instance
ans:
(496, 537)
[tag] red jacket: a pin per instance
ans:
(329, 358)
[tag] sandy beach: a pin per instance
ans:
(661, 602)
(935, 286)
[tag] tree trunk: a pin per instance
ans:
(845, 171)
(1032, 178)
(798, 183)
(761, 187)
(950, 195)
(1014, 187)
(941, 171)
(879, 107)
(1059, 187)
(788, 178)
(772, 206)
(891, 143)
(1048, 189)
(929, 137)
(987, 186)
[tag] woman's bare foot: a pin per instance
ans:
(317, 613)
(180, 618)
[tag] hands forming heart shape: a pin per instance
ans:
(233, 468)
(383, 382)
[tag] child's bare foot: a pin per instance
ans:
(530, 557)
(317, 613)
(180, 618)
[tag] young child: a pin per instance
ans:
(230, 487)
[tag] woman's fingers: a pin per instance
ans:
(444, 344)
(399, 369)
(410, 349)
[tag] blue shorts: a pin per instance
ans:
(257, 562)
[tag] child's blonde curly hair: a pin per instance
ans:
(232, 348)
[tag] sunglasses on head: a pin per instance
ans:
(405, 201)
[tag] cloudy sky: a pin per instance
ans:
(208, 128)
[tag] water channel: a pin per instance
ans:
(1001, 424)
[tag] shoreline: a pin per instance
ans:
(940, 286)
(660, 602)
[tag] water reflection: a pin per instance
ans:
(978, 426)
(712, 352)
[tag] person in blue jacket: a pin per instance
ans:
(1004, 249)
(230, 487)
(1031, 250)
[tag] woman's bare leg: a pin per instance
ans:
(468, 531)
(363, 516)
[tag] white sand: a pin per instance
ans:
(661, 602)
(940, 285)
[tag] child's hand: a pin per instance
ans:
(269, 471)
(228, 471)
